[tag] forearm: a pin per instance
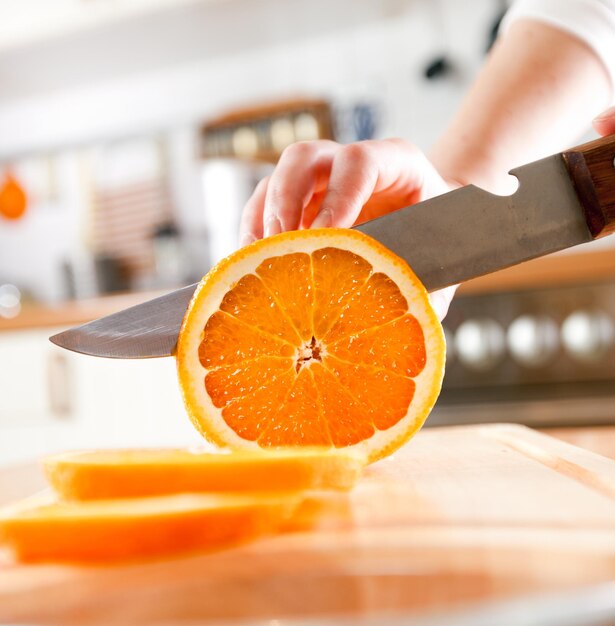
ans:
(536, 94)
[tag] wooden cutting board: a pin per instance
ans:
(458, 515)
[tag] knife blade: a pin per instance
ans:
(561, 201)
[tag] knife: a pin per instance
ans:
(561, 201)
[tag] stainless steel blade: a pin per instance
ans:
(457, 236)
(470, 232)
(143, 331)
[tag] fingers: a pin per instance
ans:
(389, 174)
(354, 174)
(604, 124)
(321, 183)
(251, 226)
(302, 171)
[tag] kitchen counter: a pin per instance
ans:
(74, 312)
(598, 439)
(459, 517)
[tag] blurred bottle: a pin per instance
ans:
(169, 258)
(227, 185)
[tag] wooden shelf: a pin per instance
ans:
(549, 271)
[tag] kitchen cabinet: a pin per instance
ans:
(25, 364)
(51, 400)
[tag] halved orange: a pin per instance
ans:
(43, 529)
(135, 473)
(311, 338)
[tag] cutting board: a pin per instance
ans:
(459, 515)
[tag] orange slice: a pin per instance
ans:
(311, 338)
(43, 529)
(130, 473)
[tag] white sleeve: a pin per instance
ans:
(592, 21)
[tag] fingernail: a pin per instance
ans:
(610, 112)
(246, 240)
(273, 226)
(323, 220)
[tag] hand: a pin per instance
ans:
(604, 124)
(322, 183)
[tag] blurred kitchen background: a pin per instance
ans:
(133, 131)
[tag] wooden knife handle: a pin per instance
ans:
(592, 169)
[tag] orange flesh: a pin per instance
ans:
(111, 530)
(151, 472)
(312, 349)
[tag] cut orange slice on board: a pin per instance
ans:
(43, 529)
(311, 338)
(135, 473)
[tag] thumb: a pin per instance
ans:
(604, 124)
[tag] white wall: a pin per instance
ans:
(170, 70)
(158, 73)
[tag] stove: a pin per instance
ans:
(541, 357)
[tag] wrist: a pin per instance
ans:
(483, 173)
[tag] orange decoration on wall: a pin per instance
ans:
(13, 201)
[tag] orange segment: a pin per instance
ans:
(226, 384)
(250, 415)
(250, 302)
(397, 346)
(338, 274)
(337, 346)
(378, 301)
(109, 474)
(347, 420)
(42, 529)
(384, 395)
(298, 418)
(226, 340)
(289, 279)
